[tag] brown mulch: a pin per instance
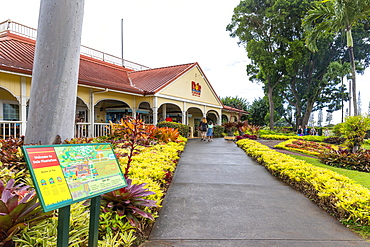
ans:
(272, 143)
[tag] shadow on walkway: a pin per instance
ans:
(221, 197)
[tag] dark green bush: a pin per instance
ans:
(359, 160)
(183, 129)
(218, 130)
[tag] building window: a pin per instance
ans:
(10, 112)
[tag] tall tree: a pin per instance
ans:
(258, 111)
(55, 72)
(359, 103)
(311, 120)
(329, 117)
(328, 17)
(255, 24)
(272, 33)
(320, 118)
(236, 102)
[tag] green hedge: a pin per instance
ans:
(183, 129)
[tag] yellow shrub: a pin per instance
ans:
(337, 193)
(151, 165)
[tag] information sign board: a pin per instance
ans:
(65, 174)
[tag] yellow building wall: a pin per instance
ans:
(28, 86)
(182, 88)
(162, 101)
(140, 99)
(11, 83)
(128, 99)
(84, 94)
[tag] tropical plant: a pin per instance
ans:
(182, 128)
(45, 233)
(11, 154)
(335, 140)
(229, 127)
(330, 17)
(246, 136)
(354, 129)
(359, 160)
(131, 133)
(18, 209)
(241, 126)
(114, 231)
(129, 201)
(165, 134)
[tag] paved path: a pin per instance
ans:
(221, 197)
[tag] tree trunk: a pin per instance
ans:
(55, 72)
(271, 105)
(353, 67)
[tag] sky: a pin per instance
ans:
(169, 32)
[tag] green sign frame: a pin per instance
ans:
(68, 173)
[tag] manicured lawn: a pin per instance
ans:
(362, 178)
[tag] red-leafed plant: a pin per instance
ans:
(11, 154)
(129, 201)
(18, 208)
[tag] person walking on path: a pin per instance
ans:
(210, 131)
(203, 129)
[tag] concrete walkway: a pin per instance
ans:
(221, 197)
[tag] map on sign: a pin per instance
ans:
(65, 174)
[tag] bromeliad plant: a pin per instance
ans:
(18, 209)
(130, 201)
(11, 154)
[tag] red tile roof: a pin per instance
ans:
(17, 54)
(105, 75)
(232, 109)
(153, 80)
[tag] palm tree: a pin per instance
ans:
(329, 17)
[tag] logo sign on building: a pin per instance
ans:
(196, 89)
(66, 174)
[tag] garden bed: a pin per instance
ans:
(337, 194)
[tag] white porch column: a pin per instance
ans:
(155, 110)
(204, 111)
(184, 115)
(134, 112)
(219, 122)
(164, 112)
(23, 102)
(134, 108)
(91, 120)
